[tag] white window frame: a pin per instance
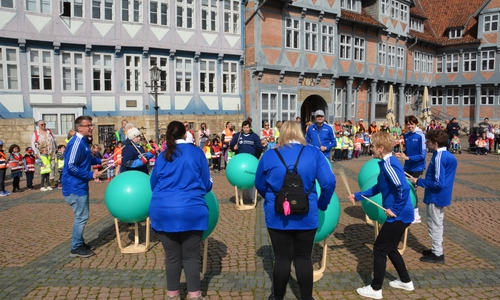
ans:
(469, 61)
(159, 11)
(455, 33)
(416, 61)
(183, 74)
(185, 14)
(7, 3)
(76, 84)
(74, 4)
(382, 55)
(423, 63)
(394, 9)
(230, 77)
(105, 8)
(131, 11)
(269, 107)
(340, 96)
(359, 49)
(102, 67)
(403, 12)
(209, 16)
(208, 76)
(437, 97)
(43, 64)
(328, 39)
(9, 69)
(39, 6)
(385, 7)
(417, 24)
(430, 63)
(488, 60)
(288, 106)
(133, 73)
(383, 94)
(488, 96)
(469, 96)
(452, 63)
(57, 129)
(452, 96)
(439, 64)
(310, 36)
(351, 5)
(232, 16)
(292, 33)
(391, 56)
(491, 23)
(161, 62)
(401, 58)
(345, 46)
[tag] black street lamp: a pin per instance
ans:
(154, 76)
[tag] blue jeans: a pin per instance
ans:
(80, 206)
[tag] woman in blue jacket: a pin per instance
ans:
(292, 236)
(178, 211)
(399, 211)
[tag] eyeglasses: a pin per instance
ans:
(42, 124)
(88, 125)
(266, 125)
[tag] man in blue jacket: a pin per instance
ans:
(321, 135)
(438, 184)
(414, 154)
(246, 141)
(75, 182)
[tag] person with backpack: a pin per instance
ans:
(286, 178)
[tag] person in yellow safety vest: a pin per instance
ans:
(60, 163)
(45, 169)
(337, 154)
(276, 131)
(350, 148)
(345, 145)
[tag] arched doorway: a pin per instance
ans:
(310, 105)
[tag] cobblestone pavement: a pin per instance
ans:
(35, 232)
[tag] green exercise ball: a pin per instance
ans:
(128, 196)
(241, 169)
(328, 219)
(368, 170)
(213, 211)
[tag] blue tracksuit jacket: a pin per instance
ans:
(325, 137)
(416, 150)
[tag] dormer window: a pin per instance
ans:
(416, 24)
(456, 33)
(349, 5)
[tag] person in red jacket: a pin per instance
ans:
(29, 167)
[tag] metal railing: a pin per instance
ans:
(439, 116)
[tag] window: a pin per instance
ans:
(183, 74)
(207, 76)
(311, 36)
(292, 33)
(269, 107)
(39, 6)
(345, 46)
(102, 9)
(132, 10)
(349, 4)
(416, 61)
(162, 63)
(401, 58)
(288, 106)
(381, 54)
(469, 97)
(437, 97)
(455, 33)
(423, 63)
(102, 72)
(72, 72)
(185, 13)
(391, 56)
(451, 63)
(385, 7)
(383, 94)
(328, 39)
(9, 77)
(340, 96)
(416, 24)
(133, 68)
(232, 16)
(403, 12)
(430, 63)
(488, 60)
(394, 9)
(229, 78)
(439, 64)
(491, 23)
(209, 15)
(470, 62)
(106, 134)
(7, 3)
(40, 69)
(359, 49)
(487, 96)
(72, 8)
(452, 97)
(59, 123)
(158, 12)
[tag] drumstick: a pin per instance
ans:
(408, 175)
(374, 203)
(344, 179)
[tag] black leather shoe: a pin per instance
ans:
(426, 252)
(433, 259)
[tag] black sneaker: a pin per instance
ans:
(426, 252)
(81, 252)
(433, 259)
(91, 247)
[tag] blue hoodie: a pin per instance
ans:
(325, 137)
(416, 150)
(391, 182)
(439, 178)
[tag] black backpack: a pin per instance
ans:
(292, 190)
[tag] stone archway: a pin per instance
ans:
(310, 105)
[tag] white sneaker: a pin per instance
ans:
(49, 188)
(367, 291)
(417, 218)
(43, 189)
(407, 286)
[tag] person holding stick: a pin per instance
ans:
(438, 184)
(398, 208)
(320, 135)
(134, 157)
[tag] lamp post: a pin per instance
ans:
(154, 76)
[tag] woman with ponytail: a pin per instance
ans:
(178, 211)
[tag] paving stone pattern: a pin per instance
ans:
(35, 234)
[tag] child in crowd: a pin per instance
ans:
(16, 166)
(45, 169)
(397, 143)
(366, 144)
(358, 142)
(345, 145)
(337, 152)
(29, 167)
(207, 149)
(118, 157)
(350, 149)
(271, 144)
(3, 170)
(109, 155)
(216, 155)
(401, 143)
(96, 153)
(481, 146)
(60, 163)
(264, 143)
(455, 143)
